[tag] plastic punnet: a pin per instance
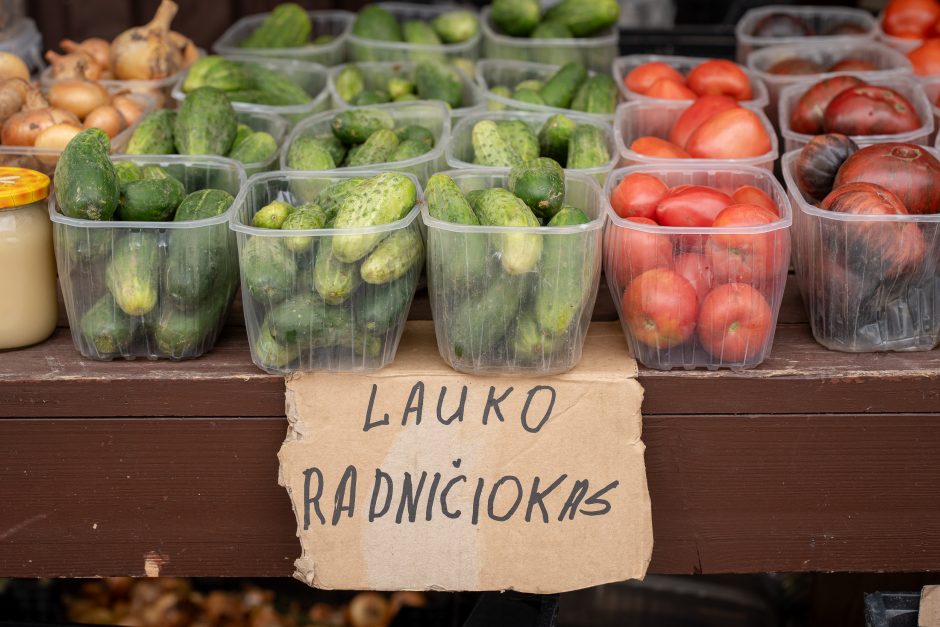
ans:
(361, 49)
(337, 24)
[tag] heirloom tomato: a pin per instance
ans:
(642, 77)
(853, 65)
(870, 110)
(637, 195)
(656, 147)
(696, 114)
(692, 206)
(660, 308)
(909, 172)
(910, 19)
(819, 162)
(733, 134)
(718, 77)
(735, 322)
(748, 194)
(807, 114)
(795, 67)
(668, 89)
(782, 25)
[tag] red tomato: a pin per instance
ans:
(734, 134)
(692, 206)
(795, 66)
(631, 252)
(668, 89)
(694, 268)
(752, 195)
(637, 196)
(926, 58)
(746, 257)
(642, 77)
(909, 172)
(782, 25)
(807, 114)
(656, 147)
(910, 19)
(718, 77)
(660, 308)
(735, 322)
(853, 65)
(693, 117)
(870, 110)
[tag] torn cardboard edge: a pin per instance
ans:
(929, 614)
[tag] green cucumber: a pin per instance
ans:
(307, 216)
(154, 135)
(393, 257)
(310, 153)
(515, 17)
(206, 123)
(106, 328)
(438, 80)
(383, 307)
(350, 82)
(150, 200)
(356, 125)
(288, 26)
(480, 321)
(414, 131)
(585, 18)
(554, 137)
(456, 27)
(132, 275)
(374, 22)
(540, 183)
(519, 252)
(269, 269)
(588, 148)
(272, 215)
(333, 279)
(561, 88)
(490, 148)
(379, 148)
(421, 33)
(260, 147)
(564, 282)
(384, 198)
(518, 134)
(85, 181)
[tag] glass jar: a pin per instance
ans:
(28, 308)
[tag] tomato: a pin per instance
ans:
(694, 268)
(746, 257)
(863, 199)
(735, 322)
(853, 65)
(637, 196)
(926, 58)
(718, 77)
(668, 89)
(782, 25)
(656, 147)
(692, 206)
(870, 110)
(734, 134)
(795, 66)
(819, 162)
(748, 194)
(699, 111)
(910, 19)
(660, 308)
(642, 77)
(631, 252)
(909, 172)
(807, 114)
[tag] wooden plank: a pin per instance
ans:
(199, 496)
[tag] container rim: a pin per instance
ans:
(429, 9)
(894, 42)
(535, 116)
(783, 201)
(761, 96)
(45, 79)
(626, 153)
(222, 45)
(917, 97)
(236, 224)
(758, 60)
(752, 15)
(787, 164)
(215, 163)
(434, 153)
(609, 37)
(595, 224)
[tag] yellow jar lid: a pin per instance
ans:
(22, 186)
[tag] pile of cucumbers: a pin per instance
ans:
(431, 79)
(332, 300)
(453, 27)
(511, 299)
(359, 137)
(568, 88)
(141, 292)
(243, 81)
(568, 18)
(206, 124)
(288, 26)
(509, 143)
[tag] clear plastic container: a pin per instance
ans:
(376, 76)
(169, 318)
(488, 320)
(431, 114)
(858, 297)
(656, 118)
(622, 66)
(312, 77)
(459, 150)
(337, 24)
(359, 333)
(890, 63)
(23, 39)
(361, 49)
(901, 44)
(819, 18)
(743, 268)
(931, 85)
(906, 86)
(647, 14)
(595, 53)
(494, 72)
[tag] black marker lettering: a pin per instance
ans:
(432, 493)
(492, 501)
(458, 414)
(475, 518)
(548, 411)
(538, 498)
(493, 403)
(574, 500)
(417, 390)
(315, 499)
(369, 424)
(410, 498)
(445, 492)
(339, 502)
(380, 477)
(595, 499)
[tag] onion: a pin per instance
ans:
(147, 52)
(186, 47)
(107, 118)
(11, 66)
(12, 97)
(95, 47)
(75, 65)
(23, 128)
(79, 97)
(61, 116)
(131, 108)
(55, 138)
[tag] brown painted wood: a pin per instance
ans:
(729, 494)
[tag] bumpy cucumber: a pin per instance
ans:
(272, 215)
(288, 26)
(438, 80)
(269, 269)
(382, 307)
(132, 276)
(554, 137)
(350, 82)
(519, 252)
(520, 137)
(333, 279)
(515, 17)
(382, 199)
(446, 202)
(355, 126)
(482, 320)
(257, 148)
(560, 89)
(409, 149)
(418, 32)
(374, 22)
(150, 200)
(379, 148)
(540, 183)
(205, 203)
(107, 328)
(587, 147)
(154, 134)
(394, 257)
(564, 280)
(455, 27)
(331, 197)
(417, 133)
(311, 153)
(206, 123)
(490, 148)
(308, 216)
(86, 184)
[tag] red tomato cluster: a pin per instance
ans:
(715, 77)
(797, 66)
(713, 127)
(716, 287)
(850, 106)
(916, 19)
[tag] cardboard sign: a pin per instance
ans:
(929, 614)
(418, 478)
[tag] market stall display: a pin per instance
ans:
(400, 31)
(907, 25)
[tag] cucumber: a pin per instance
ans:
(398, 86)
(308, 216)
(568, 216)
(154, 135)
(150, 200)
(587, 147)
(330, 198)
(474, 197)
(415, 132)
(288, 26)
(421, 33)
(515, 17)
(379, 148)
(334, 280)
(599, 95)
(393, 258)
(564, 282)
(310, 153)
(384, 198)
(518, 134)
(501, 91)
(466, 253)
(335, 147)
(554, 137)
(106, 328)
(540, 183)
(370, 97)
(179, 333)
(555, 55)
(220, 73)
(296, 320)
(437, 80)
(242, 132)
(269, 269)
(199, 259)
(585, 18)
(205, 203)
(85, 182)
(349, 82)
(446, 202)
(127, 171)
(153, 172)
(532, 84)
(272, 215)
(530, 345)
(199, 70)
(519, 252)
(132, 276)
(384, 307)
(355, 126)
(529, 96)
(374, 22)
(561, 88)
(259, 147)
(490, 148)
(456, 27)
(409, 149)
(269, 354)
(482, 320)
(407, 98)
(552, 29)
(278, 87)
(206, 123)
